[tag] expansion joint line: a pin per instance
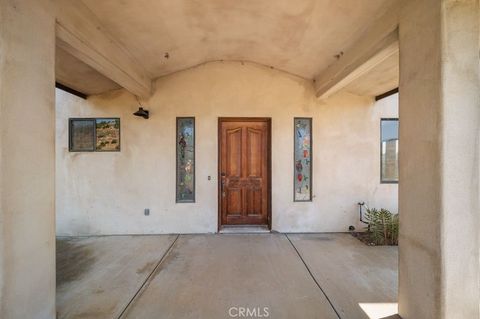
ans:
(313, 277)
(146, 281)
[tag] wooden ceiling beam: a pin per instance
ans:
(80, 33)
(379, 42)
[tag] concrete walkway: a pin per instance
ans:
(326, 276)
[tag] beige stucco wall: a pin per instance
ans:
(439, 163)
(27, 156)
(105, 193)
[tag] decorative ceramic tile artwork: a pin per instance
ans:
(303, 159)
(185, 160)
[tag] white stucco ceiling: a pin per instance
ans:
(300, 37)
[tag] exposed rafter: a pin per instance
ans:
(379, 42)
(70, 90)
(80, 33)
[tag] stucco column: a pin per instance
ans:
(439, 159)
(27, 154)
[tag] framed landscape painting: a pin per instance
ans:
(107, 134)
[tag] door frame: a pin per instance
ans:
(267, 120)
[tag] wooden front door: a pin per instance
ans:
(244, 171)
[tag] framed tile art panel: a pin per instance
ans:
(302, 152)
(185, 160)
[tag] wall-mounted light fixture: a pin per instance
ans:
(141, 112)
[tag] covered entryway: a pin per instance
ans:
(325, 60)
(244, 171)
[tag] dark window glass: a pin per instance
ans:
(82, 135)
(389, 151)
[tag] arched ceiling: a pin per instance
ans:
(300, 37)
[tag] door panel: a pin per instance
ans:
(234, 201)
(234, 152)
(254, 202)
(244, 171)
(254, 152)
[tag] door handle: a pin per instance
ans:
(222, 184)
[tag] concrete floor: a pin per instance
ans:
(216, 276)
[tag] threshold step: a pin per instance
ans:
(244, 229)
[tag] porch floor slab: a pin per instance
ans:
(98, 276)
(216, 276)
(361, 281)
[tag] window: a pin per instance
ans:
(302, 177)
(94, 135)
(82, 135)
(389, 151)
(185, 186)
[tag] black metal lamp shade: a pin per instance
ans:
(141, 112)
